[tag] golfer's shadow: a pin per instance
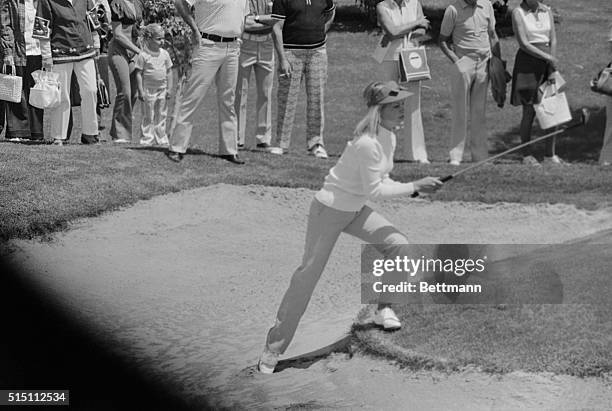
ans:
(306, 360)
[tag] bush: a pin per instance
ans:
(178, 42)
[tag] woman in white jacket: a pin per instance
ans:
(361, 174)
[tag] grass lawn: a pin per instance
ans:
(45, 187)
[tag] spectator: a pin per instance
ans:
(361, 174)
(467, 37)
(67, 46)
(400, 19)
(535, 62)
(19, 48)
(217, 26)
(257, 53)
(126, 17)
(302, 54)
(605, 157)
(154, 79)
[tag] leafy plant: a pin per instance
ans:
(177, 41)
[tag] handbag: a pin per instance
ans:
(102, 94)
(553, 110)
(46, 92)
(10, 85)
(602, 83)
(413, 63)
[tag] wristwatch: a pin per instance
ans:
(256, 19)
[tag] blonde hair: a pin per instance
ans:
(152, 30)
(369, 123)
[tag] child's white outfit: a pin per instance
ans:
(154, 67)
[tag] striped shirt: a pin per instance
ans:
(220, 17)
(304, 26)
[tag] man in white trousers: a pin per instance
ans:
(217, 26)
(467, 37)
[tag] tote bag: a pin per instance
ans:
(413, 63)
(553, 110)
(46, 91)
(10, 85)
(602, 83)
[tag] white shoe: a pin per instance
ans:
(423, 161)
(267, 362)
(553, 160)
(318, 151)
(275, 150)
(387, 319)
(455, 163)
(120, 141)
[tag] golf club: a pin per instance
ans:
(584, 116)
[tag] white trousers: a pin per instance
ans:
(606, 150)
(469, 81)
(154, 114)
(412, 136)
(85, 72)
(219, 62)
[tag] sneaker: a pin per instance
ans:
(531, 161)
(89, 139)
(553, 160)
(121, 141)
(423, 161)
(275, 150)
(263, 147)
(174, 156)
(15, 139)
(387, 319)
(318, 151)
(267, 362)
(58, 142)
(454, 162)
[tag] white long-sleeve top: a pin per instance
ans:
(362, 174)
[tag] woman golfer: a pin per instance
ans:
(361, 174)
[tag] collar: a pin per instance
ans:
(541, 8)
(465, 5)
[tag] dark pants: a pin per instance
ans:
(125, 81)
(21, 119)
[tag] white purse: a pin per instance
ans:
(413, 63)
(554, 109)
(46, 92)
(10, 85)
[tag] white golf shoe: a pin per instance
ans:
(387, 319)
(267, 362)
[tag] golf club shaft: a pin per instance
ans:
(513, 149)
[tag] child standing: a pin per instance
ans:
(154, 80)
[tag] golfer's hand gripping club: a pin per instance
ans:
(427, 185)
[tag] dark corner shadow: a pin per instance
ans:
(579, 144)
(43, 348)
(306, 360)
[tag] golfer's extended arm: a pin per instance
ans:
(184, 11)
(370, 173)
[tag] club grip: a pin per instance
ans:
(443, 179)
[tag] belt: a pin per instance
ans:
(214, 37)
(256, 37)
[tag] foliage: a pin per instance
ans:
(177, 32)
